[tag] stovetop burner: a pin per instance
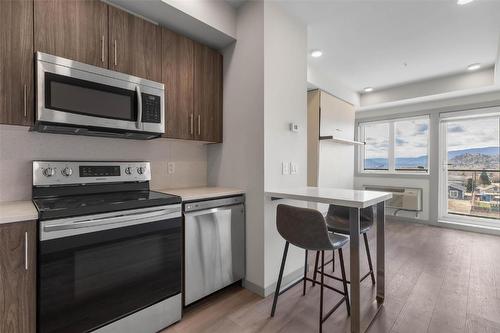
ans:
(67, 206)
(58, 193)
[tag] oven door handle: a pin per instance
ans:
(108, 220)
(138, 124)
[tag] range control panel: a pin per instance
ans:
(86, 172)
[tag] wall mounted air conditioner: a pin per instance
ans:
(403, 198)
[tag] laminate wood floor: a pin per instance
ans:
(437, 281)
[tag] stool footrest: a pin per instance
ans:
(339, 279)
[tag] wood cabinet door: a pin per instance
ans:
(73, 29)
(16, 62)
(207, 94)
(17, 277)
(135, 45)
(177, 75)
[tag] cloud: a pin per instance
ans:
(422, 128)
(400, 142)
(456, 129)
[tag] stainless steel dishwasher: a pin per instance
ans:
(214, 246)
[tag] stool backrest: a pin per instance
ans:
(303, 227)
(366, 214)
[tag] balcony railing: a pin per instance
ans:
(474, 192)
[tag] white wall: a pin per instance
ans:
(439, 85)
(264, 90)
(321, 80)
(19, 147)
(285, 101)
(239, 161)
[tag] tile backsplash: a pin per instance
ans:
(19, 147)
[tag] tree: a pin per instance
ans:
(484, 179)
(470, 185)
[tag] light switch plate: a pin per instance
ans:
(170, 168)
(285, 168)
(294, 168)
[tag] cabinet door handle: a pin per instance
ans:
(25, 99)
(191, 124)
(102, 48)
(26, 250)
(199, 125)
(114, 47)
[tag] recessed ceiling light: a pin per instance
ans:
(368, 89)
(316, 53)
(463, 2)
(473, 67)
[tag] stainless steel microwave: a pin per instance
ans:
(76, 98)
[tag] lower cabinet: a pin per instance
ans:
(17, 277)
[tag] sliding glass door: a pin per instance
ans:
(470, 168)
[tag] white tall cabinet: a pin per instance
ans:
(329, 163)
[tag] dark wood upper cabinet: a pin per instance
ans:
(207, 94)
(134, 45)
(73, 29)
(16, 62)
(177, 75)
(17, 277)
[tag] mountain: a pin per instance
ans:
(490, 151)
(485, 157)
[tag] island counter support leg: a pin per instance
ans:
(355, 276)
(380, 252)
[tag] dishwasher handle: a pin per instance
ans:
(214, 203)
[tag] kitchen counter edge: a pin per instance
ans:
(17, 211)
(201, 193)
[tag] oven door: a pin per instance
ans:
(80, 95)
(95, 270)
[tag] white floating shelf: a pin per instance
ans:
(339, 140)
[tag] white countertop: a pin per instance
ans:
(335, 196)
(17, 211)
(198, 193)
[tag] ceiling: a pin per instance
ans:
(384, 43)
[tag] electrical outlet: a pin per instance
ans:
(170, 168)
(294, 168)
(285, 168)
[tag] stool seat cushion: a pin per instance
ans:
(341, 225)
(338, 240)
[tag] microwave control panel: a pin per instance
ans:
(151, 108)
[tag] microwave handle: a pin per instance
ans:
(139, 107)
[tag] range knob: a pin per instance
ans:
(67, 171)
(140, 170)
(128, 170)
(49, 172)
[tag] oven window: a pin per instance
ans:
(89, 98)
(90, 280)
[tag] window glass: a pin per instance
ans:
(411, 141)
(377, 146)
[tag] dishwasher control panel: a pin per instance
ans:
(212, 203)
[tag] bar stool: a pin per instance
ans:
(306, 229)
(337, 220)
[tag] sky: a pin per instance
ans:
(411, 136)
(467, 133)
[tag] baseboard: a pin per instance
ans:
(269, 290)
(446, 224)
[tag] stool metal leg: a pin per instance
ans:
(333, 261)
(278, 284)
(368, 255)
(344, 282)
(305, 275)
(321, 292)
(316, 268)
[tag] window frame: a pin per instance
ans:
(391, 154)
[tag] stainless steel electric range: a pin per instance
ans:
(109, 250)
